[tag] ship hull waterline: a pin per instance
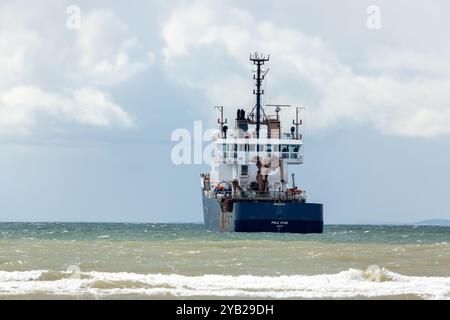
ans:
(231, 215)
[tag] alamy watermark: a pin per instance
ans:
(374, 273)
(74, 272)
(74, 17)
(374, 17)
(190, 148)
(214, 147)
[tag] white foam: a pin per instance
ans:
(346, 284)
(6, 276)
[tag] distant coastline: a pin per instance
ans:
(426, 222)
(434, 222)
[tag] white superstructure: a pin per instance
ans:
(237, 153)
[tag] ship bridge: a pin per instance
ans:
(243, 150)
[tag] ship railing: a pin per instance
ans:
(219, 194)
(263, 135)
(275, 195)
(239, 156)
(259, 195)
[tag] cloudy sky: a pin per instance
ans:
(87, 106)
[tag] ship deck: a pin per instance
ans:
(276, 196)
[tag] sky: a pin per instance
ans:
(91, 92)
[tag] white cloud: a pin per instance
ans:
(54, 78)
(399, 92)
(18, 47)
(105, 45)
(23, 108)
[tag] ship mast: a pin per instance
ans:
(221, 121)
(258, 60)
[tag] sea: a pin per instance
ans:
(185, 261)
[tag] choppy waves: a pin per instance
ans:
(347, 284)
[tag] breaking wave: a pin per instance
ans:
(347, 284)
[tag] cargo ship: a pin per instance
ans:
(250, 187)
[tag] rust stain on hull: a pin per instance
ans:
(226, 215)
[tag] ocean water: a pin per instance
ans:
(184, 261)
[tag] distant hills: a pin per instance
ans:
(434, 222)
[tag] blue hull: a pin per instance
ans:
(262, 216)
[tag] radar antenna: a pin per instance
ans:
(278, 107)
